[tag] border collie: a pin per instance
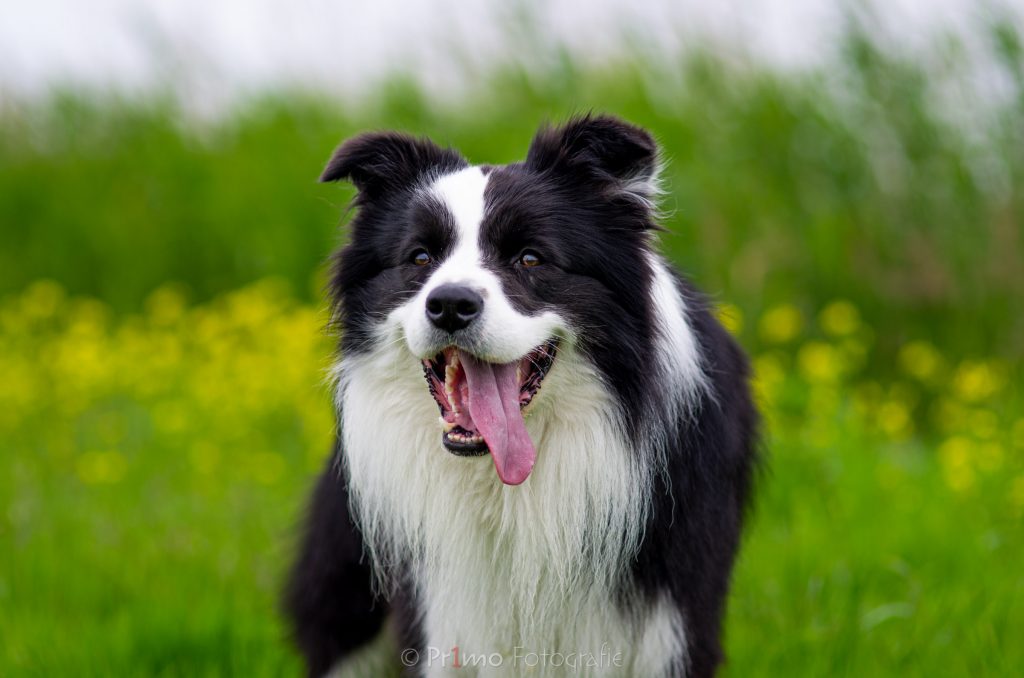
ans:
(546, 440)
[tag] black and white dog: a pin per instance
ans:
(576, 507)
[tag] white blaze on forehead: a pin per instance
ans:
(462, 193)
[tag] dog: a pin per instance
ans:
(546, 439)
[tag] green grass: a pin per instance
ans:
(162, 411)
(861, 563)
(836, 578)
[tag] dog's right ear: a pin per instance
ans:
(379, 161)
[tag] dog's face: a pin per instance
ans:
(487, 273)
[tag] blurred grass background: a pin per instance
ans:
(162, 408)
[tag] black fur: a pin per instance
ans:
(329, 596)
(568, 201)
(693, 533)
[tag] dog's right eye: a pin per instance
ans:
(420, 257)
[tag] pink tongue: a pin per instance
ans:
(494, 406)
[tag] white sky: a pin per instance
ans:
(228, 47)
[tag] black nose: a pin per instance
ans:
(453, 307)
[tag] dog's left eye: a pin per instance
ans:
(529, 258)
(420, 257)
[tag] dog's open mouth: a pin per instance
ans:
(482, 405)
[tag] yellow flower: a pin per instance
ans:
(820, 362)
(955, 458)
(920, 360)
(731, 318)
(42, 299)
(88, 317)
(976, 381)
(839, 319)
(781, 324)
(166, 304)
(894, 419)
(960, 457)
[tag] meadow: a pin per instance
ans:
(164, 408)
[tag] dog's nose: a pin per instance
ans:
(453, 307)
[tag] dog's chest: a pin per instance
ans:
(482, 615)
(520, 578)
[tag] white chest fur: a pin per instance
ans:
(507, 573)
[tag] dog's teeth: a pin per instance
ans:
(449, 379)
(465, 438)
(446, 425)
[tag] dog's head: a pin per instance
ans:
(488, 273)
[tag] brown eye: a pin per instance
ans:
(529, 258)
(421, 257)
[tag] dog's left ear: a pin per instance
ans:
(600, 150)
